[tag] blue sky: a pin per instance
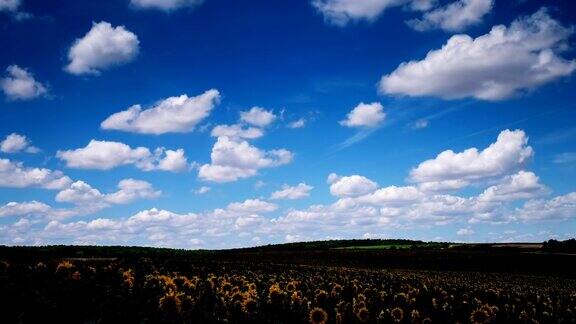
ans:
(214, 124)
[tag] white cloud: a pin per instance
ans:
(161, 227)
(557, 208)
(509, 153)
(390, 210)
(224, 173)
(34, 209)
(522, 185)
(350, 186)
(165, 5)
(235, 224)
(565, 158)
(14, 143)
(392, 195)
(297, 123)
(495, 66)
(174, 161)
(251, 206)
(20, 84)
(202, 190)
(105, 155)
(171, 115)
(420, 124)
(233, 159)
(465, 232)
(81, 193)
(26, 208)
(342, 12)
(455, 16)
(302, 190)
(9, 5)
(365, 115)
(102, 47)
(15, 175)
(443, 186)
(258, 116)
(236, 131)
(259, 184)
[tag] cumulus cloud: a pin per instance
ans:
(565, 158)
(509, 153)
(14, 143)
(16, 175)
(174, 161)
(454, 16)
(420, 124)
(361, 206)
(392, 195)
(365, 115)
(9, 5)
(104, 46)
(202, 190)
(242, 222)
(237, 131)
(34, 209)
(26, 208)
(106, 155)
(558, 208)
(86, 200)
(160, 227)
(258, 116)
(522, 185)
(19, 84)
(81, 193)
(342, 12)
(443, 185)
(465, 232)
(171, 115)
(297, 123)
(233, 159)
(501, 64)
(350, 186)
(251, 206)
(302, 190)
(165, 5)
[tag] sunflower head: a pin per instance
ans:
(397, 314)
(363, 315)
(318, 316)
(415, 315)
(64, 266)
(250, 306)
(40, 266)
(170, 303)
(321, 297)
(479, 316)
(336, 290)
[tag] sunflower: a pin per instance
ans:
(479, 316)
(64, 266)
(290, 287)
(321, 297)
(336, 290)
(250, 306)
(397, 314)
(318, 316)
(170, 303)
(363, 315)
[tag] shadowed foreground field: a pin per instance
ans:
(308, 282)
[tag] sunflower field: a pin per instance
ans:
(148, 291)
